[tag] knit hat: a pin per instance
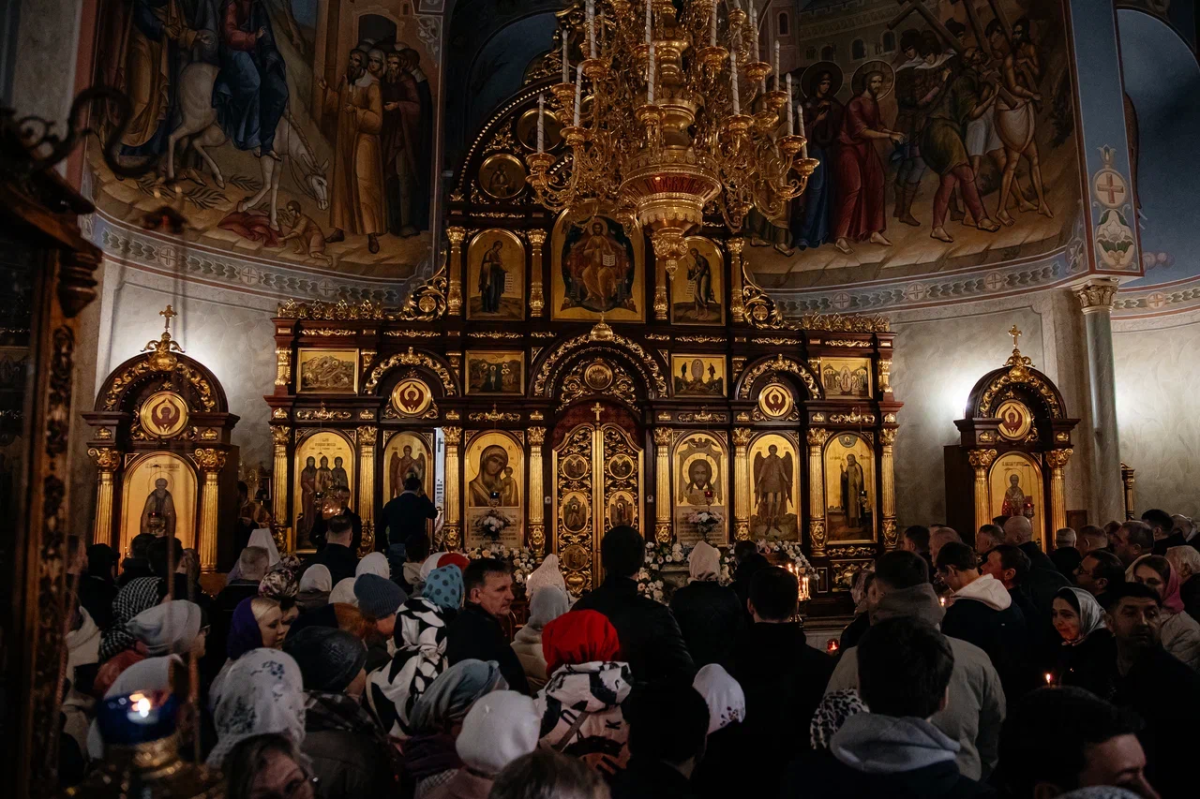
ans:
(544, 576)
(581, 636)
(499, 728)
(444, 587)
(329, 659)
(343, 593)
(378, 597)
(169, 628)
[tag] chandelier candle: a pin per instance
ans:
(578, 92)
(754, 33)
(542, 122)
(712, 24)
(566, 62)
(777, 87)
(789, 103)
(591, 23)
(733, 80)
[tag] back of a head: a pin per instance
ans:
(743, 550)
(416, 548)
(1139, 533)
(1046, 735)
(623, 551)
(1013, 558)
(162, 560)
(994, 533)
(412, 483)
(919, 536)
(668, 724)
(958, 555)
(101, 560)
(254, 563)
(942, 535)
(1108, 566)
(1112, 597)
(774, 592)
(1156, 517)
(476, 573)
(140, 546)
(1018, 530)
(898, 569)
(341, 528)
(1064, 538)
(904, 667)
(1094, 536)
(546, 774)
(1111, 527)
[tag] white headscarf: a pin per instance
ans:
(723, 695)
(704, 563)
(499, 728)
(316, 578)
(343, 592)
(375, 563)
(1185, 556)
(1091, 617)
(264, 693)
(151, 674)
(546, 575)
(169, 628)
(259, 538)
(547, 605)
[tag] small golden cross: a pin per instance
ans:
(1015, 333)
(168, 314)
(597, 409)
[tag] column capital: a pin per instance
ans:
(887, 436)
(210, 460)
(537, 435)
(982, 458)
(457, 235)
(664, 436)
(736, 245)
(367, 436)
(107, 459)
(741, 436)
(1057, 458)
(817, 437)
(281, 435)
(1097, 295)
(536, 237)
(453, 435)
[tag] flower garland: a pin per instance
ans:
(523, 560)
(792, 551)
(649, 579)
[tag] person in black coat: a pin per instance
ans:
(904, 668)
(1010, 566)
(782, 676)
(408, 514)
(138, 563)
(338, 555)
(667, 733)
(749, 562)
(98, 585)
(651, 642)
(1165, 533)
(709, 614)
(1087, 656)
(337, 507)
(1065, 556)
(476, 631)
(1044, 577)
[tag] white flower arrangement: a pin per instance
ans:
(523, 560)
(649, 579)
(705, 519)
(491, 524)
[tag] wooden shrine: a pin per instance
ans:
(1014, 447)
(160, 440)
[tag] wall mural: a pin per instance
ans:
(302, 132)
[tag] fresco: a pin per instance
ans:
(945, 137)
(298, 131)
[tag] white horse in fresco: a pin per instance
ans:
(199, 122)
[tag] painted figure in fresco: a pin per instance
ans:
(699, 488)
(812, 220)
(340, 478)
(980, 121)
(491, 278)
(493, 462)
(358, 168)
(308, 494)
(697, 382)
(305, 234)
(597, 270)
(422, 140)
(499, 184)
(852, 487)
(859, 170)
(324, 477)
(909, 120)
(574, 515)
(401, 132)
(251, 93)
(773, 487)
(622, 513)
(1015, 114)
(158, 514)
(700, 273)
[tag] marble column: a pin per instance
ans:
(537, 505)
(1096, 300)
(981, 460)
(741, 481)
(816, 490)
(211, 462)
(664, 437)
(108, 461)
(453, 526)
(1056, 459)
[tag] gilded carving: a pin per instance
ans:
(887, 436)
(854, 417)
(703, 416)
(495, 334)
(657, 337)
(838, 323)
(537, 436)
(104, 434)
(367, 416)
(367, 436)
(851, 552)
(698, 339)
(412, 358)
(201, 388)
(279, 413)
(817, 437)
(982, 458)
(663, 436)
(543, 384)
(324, 415)
(340, 311)
(106, 458)
(1057, 458)
(597, 376)
(779, 342)
(1096, 296)
(889, 418)
(329, 331)
(847, 342)
(816, 531)
(210, 460)
(411, 333)
(987, 437)
(493, 416)
(889, 533)
(367, 356)
(818, 418)
(741, 436)
(453, 435)
(781, 364)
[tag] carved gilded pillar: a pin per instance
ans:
(283, 366)
(281, 435)
(537, 508)
(664, 437)
(887, 470)
(1129, 479)
(1057, 459)
(741, 481)
(367, 437)
(453, 526)
(816, 490)
(736, 309)
(457, 236)
(660, 290)
(108, 461)
(885, 376)
(982, 460)
(211, 462)
(537, 302)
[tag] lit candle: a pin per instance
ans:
(652, 74)
(591, 27)
(942, 601)
(1049, 678)
(578, 92)
(733, 81)
(776, 64)
(566, 62)
(753, 31)
(789, 103)
(712, 25)
(541, 122)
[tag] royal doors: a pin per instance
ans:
(597, 486)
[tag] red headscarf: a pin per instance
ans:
(454, 559)
(581, 636)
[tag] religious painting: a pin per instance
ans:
(575, 511)
(327, 371)
(411, 397)
(163, 414)
(697, 290)
(551, 130)
(698, 375)
(1015, 420)
(849, 490)
(159, 497)
(622, 509)
(497, 373)
(495, 284)
(774, 487)
(298, 132)
(596, 270)
(407, 455)
(1015, 486)
(775, 401)
(995, 179)
(846, 377)
(701, 489)
(495, 489)
(502, 176)
(324, 461)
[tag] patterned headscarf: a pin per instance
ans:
(451, 695)
(835, 708)
(420, 658)
(264, 693)
(724, 696)
(578, 637)
(281, 581)
(136, 596)
(1091, 617)
(444, 587)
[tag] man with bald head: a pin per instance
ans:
(1044, 577)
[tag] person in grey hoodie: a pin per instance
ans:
(904, 673)
(976, 707)
(546, 605)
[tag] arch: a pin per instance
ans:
(550, 364)
(783, 24)
(858, 50)
(432, 365)
(889, 41)
(799, 372)
(828, 52)
(197, 384)
(1016, 373)
(181, 484)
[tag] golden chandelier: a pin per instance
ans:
(670, 119)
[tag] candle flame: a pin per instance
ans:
(141, 705)
(1049, 678)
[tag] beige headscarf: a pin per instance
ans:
(704, 563)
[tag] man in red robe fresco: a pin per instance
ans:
(859, 169)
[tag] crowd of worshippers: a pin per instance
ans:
(993, 670)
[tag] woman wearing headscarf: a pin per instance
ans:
(282, 585)
(498, 729)
(268, 765)
(719, 774)
(315, 585)
(172, 628)
(1088, 655)
(420, 658)
(580, 706)
(343, 593)
(444, 588)
(430, 756)
(256, 624)
(375, 563)
(136, 596)
(1186, 562)
(831, 714)
(546, 605)
(349, 753)
(1180, 633)
(710, 615)
(264, 694)
(259, 538)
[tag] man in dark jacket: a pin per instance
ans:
(1131, 540)
(668, 730)
(138, 563)
(339, 555)
(1099, 571)
(337, 506)
(749, 562)
(782, 676)
(1065, 556)
(904, 668)
(408, 514)
(915, 539)
(476, 631)
(1044, 577)
(651, 642)
(1010, 566)
(1165, 534)
(98, 587)
(1158, 687)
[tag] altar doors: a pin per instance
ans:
(598, 472)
